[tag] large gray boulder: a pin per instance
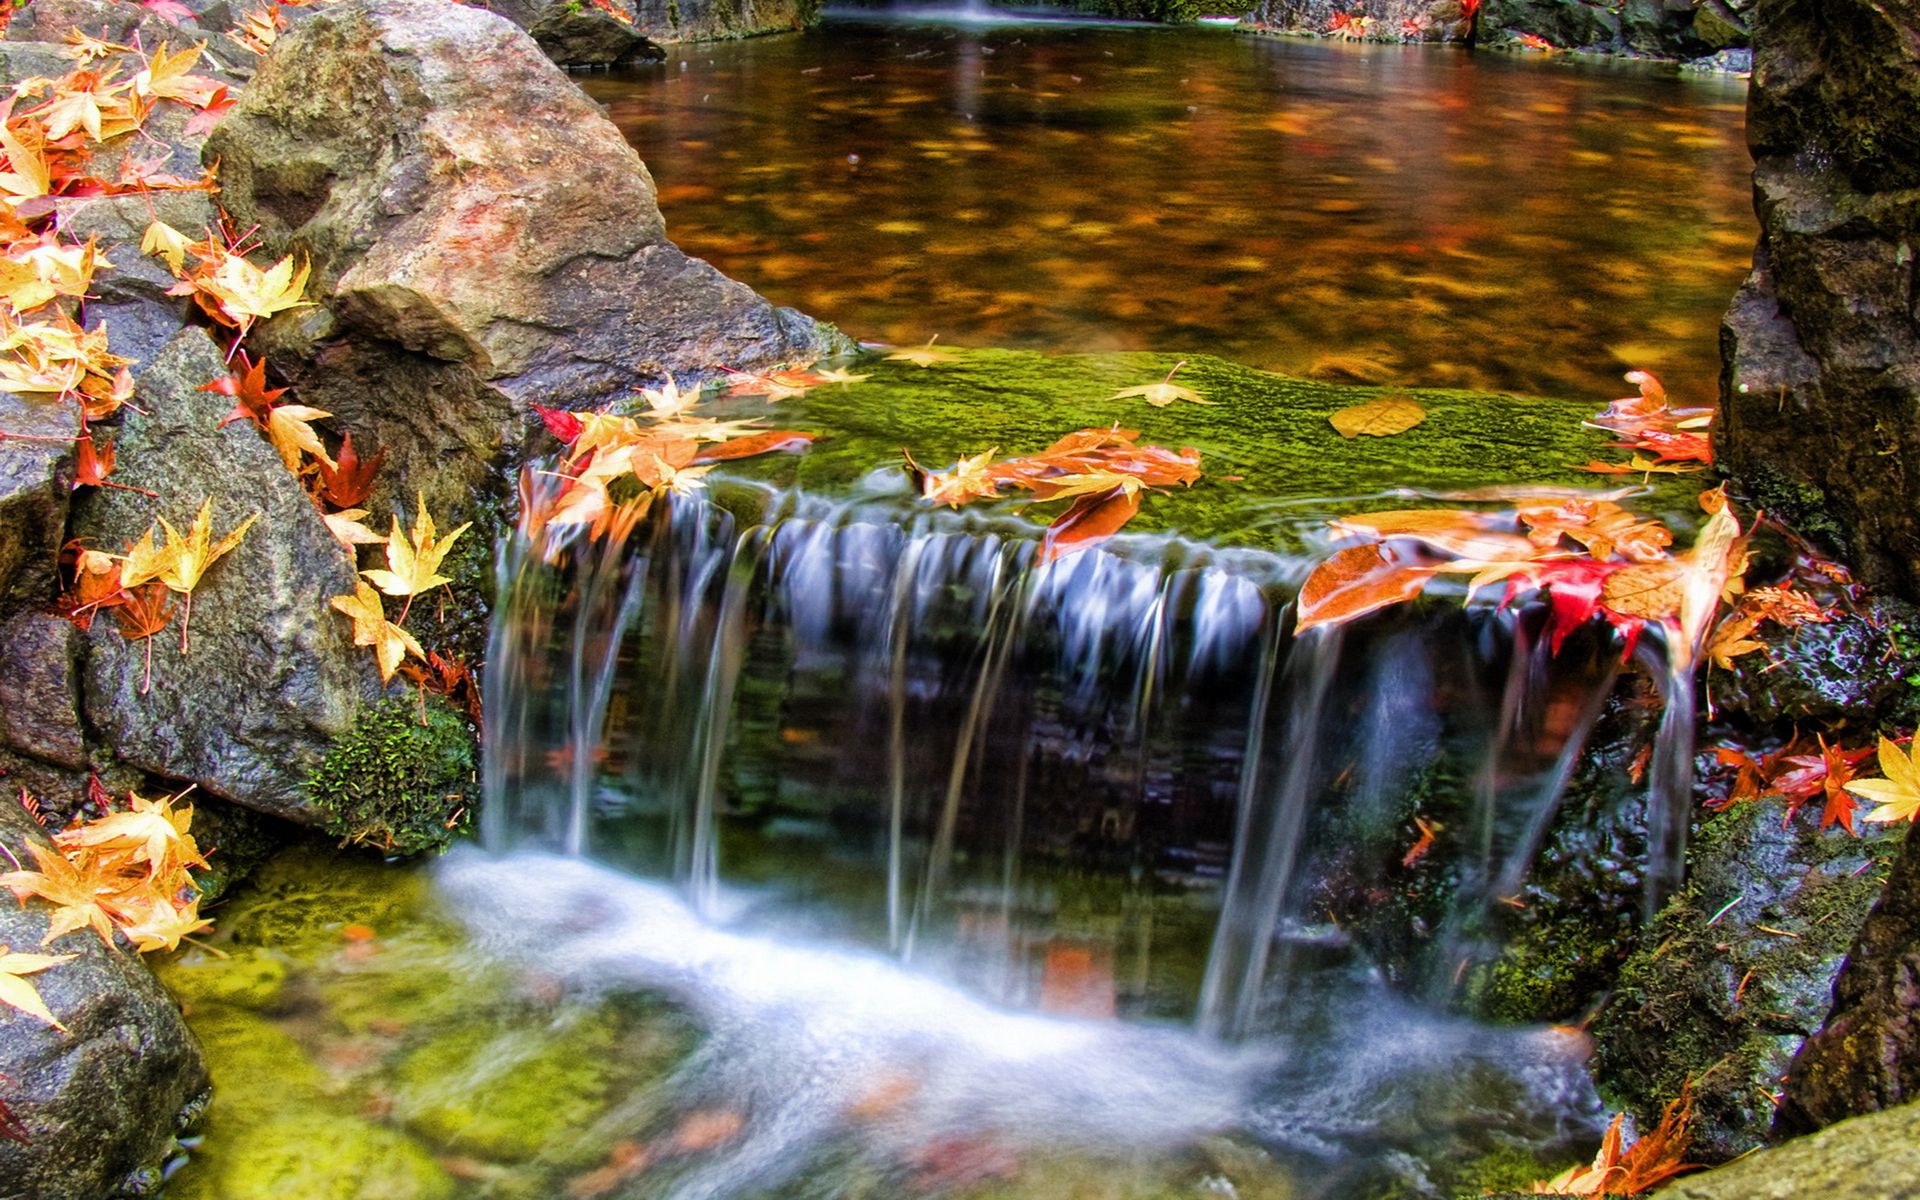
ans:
(1820, 395)
(102, 1102)
(467, 208)
(34, 479)
(271, 676)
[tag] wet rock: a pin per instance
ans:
(1569, 24)
(516, 260)
(29, 60)
(39, 691)
(710, 20)
(1721, 25)
(33, 497)
(1869, 1158)
(103, 1101)
(1858, 665)
(1736, 971)
(271, 676)
(588, 37)
(1421, 20)
(1821, 393)
(131, 297)
(1867, 1057)
(108, 20)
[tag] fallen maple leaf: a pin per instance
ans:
(141, 613)
(758, 443)
(1163, 393)
(346, 482)
(74, 891)
(1898, 795)
(345, 525)
(1092, 518)
(391, 644)
(287, 426)
(185, 558)
(1649, 1162)
(1384, 417)
(17, 993)
(1354, 582)
(413, 563)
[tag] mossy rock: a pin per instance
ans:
(508, 1095)
(1263, 437)
(1737, 970)
(252, 978)
(400, 779)
(258, 1069)
(313, 1154)
(298, 903)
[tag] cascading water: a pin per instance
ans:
(861, 754)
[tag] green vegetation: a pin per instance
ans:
(395, 782)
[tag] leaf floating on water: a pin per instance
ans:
(1378, 418)
(1462, 533)
(1354, 582)
(1651, 591)
(757, 443)
(1163, 393)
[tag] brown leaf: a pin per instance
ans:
(1378, 418)
(1354, 582)
(1648, 590)
(1088, 520)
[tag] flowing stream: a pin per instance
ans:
(837, 848)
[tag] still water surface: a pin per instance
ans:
(1409, 214)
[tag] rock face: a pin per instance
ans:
(1868, 1055)
(102, 1102)
(708, 20)
(580, 35)
(1736, 971)
(1821, 392)
(1684, 29)
(1869, 1158)
(270, 676)
(469, 263)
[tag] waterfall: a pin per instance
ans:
(1112, 783)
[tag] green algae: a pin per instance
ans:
(1273, 464)
(252, 978)
(506, 1097)
(317, 1155)
(299, 903)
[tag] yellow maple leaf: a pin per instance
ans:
(346, 526)
(17, 992)
(167, 242)
(188, 556)
(413, 563)
(155, 923)
(150, 834)
(1163, 393)
(1898, 795)
(292, 436)
(391, 644)
(168, 77)
(235, 292)
(75, 894)
(840, 375)
(669, 401)
(928, 355)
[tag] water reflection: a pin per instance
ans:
(1414, 213)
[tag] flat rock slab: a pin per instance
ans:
(1875, 1157)
(1274, 466)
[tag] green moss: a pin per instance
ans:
(1737, 969)
(395, 783)
(1553, 972)
(1264, 438)
(1506, 1169)
(1799, 503)
(258, 1069)
(1166, 10)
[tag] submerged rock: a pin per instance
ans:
(1821, 392)
(270, 676)
(1869, 1158)
(468, 263)
(1737, 971)
(101, 1102)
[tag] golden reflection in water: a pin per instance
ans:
(1370, 213)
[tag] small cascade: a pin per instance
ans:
(1116, 783)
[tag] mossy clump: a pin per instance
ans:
(1737, 970)
(400, 780)
(1168, 11)
(252, 979)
